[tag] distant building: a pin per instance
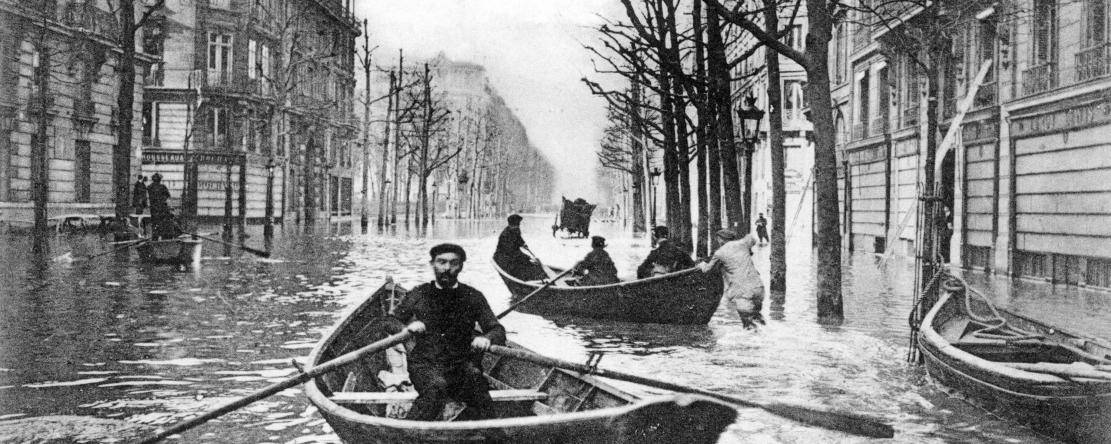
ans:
(1027, 180)
(751, 80)
(74, 41)
(258, 96)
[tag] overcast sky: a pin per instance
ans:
(533, 55)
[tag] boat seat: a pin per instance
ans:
(391, 397)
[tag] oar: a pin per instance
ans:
(301, 378)
(845, 422)
(534, 256)
(256, 252)
(534, 292)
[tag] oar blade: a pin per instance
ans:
(845, 422)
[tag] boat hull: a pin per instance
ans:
(1072, 411)
(171, 251)
(685, 297)
(576, 409)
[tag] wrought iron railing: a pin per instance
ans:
(910, 116)
(860, 131)
(986, 96)
(878, 126)
(1093, 62)
(1039, 78)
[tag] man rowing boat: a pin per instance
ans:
(445, 363)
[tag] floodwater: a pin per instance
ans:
(109, 339)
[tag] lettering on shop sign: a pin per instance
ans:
(200, 158)
(984, 129)
(1066, 119)
(867, 155)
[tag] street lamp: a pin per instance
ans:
(268, 228)
(750, 117)
(654, 174)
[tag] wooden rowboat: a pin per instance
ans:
(684, 297)
(536, 404)
(1021, 367)
(179, 251)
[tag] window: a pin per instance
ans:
(222, 4)
(252, 59)
(219, 57)
(148, 122)
(1095, 23)
(796, 38)
(792, 103)
(82, 174)
(860, 130)
(218, 126)
(1045, 31)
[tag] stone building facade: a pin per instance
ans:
(1026, 179)
(74, 41)
(751, 80)
(251, 104)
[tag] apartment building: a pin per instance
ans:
(1025, 183)
(250, 108)
(74, 43)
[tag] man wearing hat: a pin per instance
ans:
(510, 256)
(743, 286)
(445, 363)
(160, 216)
(597, 267)
(666, 258)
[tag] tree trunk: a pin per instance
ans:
(778, 259)
(640, 221)
(382, 218)
(366, 131)
(727, 149)
(682, 149)
(701, 132)
(830, 308)
(125, 104)
(668, 118)
(40, 171)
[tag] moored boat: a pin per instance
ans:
(1056, 381)
(536, 404)
(177, 251)
(684, 297)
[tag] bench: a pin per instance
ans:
(392, 397)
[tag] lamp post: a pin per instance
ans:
(655, 174)
(750, 117)
(268, 228)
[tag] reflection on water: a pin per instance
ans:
(154, 345)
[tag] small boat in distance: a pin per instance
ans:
(683, 297)
(1033, 372)
(182, 250)
(535, 404)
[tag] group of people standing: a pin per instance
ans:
(157, 195)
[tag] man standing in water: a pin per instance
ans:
(743, 286)
(445, 363)
(161, 218)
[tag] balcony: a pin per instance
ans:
(229, 83)
(910, 116)
(1039, 78)
(986, 96)
(1092, 62)
(878, 126)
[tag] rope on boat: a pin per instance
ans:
(994, 326)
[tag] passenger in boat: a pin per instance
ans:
(139, 194)
(743, 286)
(446, 361)
(161, 218)
(597, 267)
(666, 258)
(510, 254)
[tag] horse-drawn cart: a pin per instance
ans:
(574, 218)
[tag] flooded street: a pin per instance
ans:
(153, 345)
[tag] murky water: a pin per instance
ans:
(153, 345)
